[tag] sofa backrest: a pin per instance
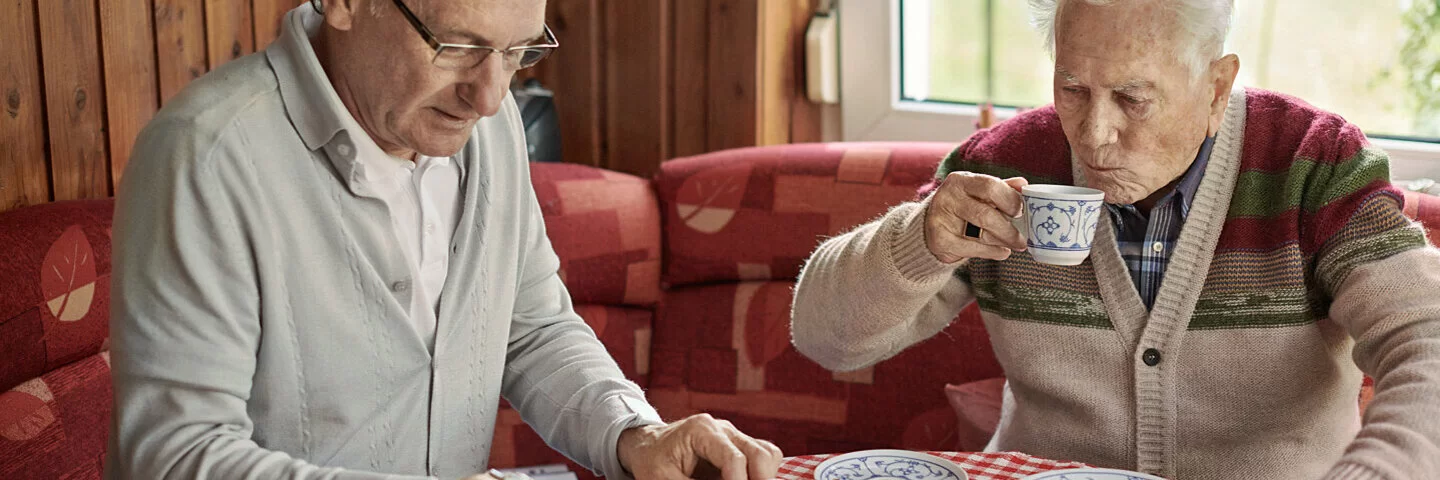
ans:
(54, 319)
(757, 213)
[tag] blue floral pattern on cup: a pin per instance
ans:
(1066, 225)
(888, 467)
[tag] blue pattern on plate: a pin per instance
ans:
(886, 467)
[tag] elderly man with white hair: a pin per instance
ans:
(1253, 263)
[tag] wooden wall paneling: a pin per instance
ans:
(805, 116)
(229, 32)
(24, 176)
(74, 98)
(179, 44)
(690, 101)
(574, 73)
(267, 15)
(128, 45)
(734, 74)
(637, 88)
(777, 74)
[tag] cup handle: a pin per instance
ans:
(1022, 223)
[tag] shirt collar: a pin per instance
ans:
(310, 101)
(316, 110)
(1190, 182)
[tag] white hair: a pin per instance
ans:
(1205, 23)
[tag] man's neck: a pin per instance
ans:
(323, 48)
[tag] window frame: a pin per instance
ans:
(871, 108)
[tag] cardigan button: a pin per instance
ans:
(1151, 357)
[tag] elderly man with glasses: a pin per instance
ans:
(329, 263)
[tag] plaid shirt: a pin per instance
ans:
(1145, 244)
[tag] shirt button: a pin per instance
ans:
(1151, 357)
(401, 286)
(1157, 247)
(429, 228)
(343, 150)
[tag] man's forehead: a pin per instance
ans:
(1124, 83)
(487, 22)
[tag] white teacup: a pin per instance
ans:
(1059, 222)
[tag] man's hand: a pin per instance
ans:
(983, 201)
(685, 449)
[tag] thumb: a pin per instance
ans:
(1017, 182)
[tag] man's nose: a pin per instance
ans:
(484, 86)
(1100, 127)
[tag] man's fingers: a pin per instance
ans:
(762, 458)
(993, 191)
(996, 228)
(713, 445)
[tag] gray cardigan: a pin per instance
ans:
(258, 327)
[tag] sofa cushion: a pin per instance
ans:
(55, 426)
(626, 335)
(725, 349)
(1426, 209)
(605, 227)
(757, 213)
(54, 286)
(977, 411)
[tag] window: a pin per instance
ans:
(1375, 62)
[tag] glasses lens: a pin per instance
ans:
(530, 56)
(457, 58)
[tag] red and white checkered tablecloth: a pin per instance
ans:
(980, 466)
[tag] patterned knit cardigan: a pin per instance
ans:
(1288, 257)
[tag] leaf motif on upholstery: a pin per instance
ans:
(708, 200)
(25, 411)
(767, 323)
(67, 277)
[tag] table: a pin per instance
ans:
(980, 465)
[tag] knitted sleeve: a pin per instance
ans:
(1382, 280)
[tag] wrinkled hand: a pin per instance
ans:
(983, 200)
(690, 447)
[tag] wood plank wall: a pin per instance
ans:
(80, 78)
(636, 81)
(672, 78)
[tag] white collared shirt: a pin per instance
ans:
(423, 198)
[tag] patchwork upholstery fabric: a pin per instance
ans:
(605, 227)
(725, 349)
(55, 426)
(54, 286)
(54, 319)
(757, 213)
(1426, 209)
(626, 334)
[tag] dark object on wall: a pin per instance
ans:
(542, 125)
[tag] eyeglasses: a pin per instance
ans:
(459, 56)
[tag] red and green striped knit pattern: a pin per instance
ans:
(1312, 200)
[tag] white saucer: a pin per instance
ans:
(1091, 474)
(888, 465)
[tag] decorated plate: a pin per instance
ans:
(1091, 474)
(888, 465)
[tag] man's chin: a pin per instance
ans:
(442, 147)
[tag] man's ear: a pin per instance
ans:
(340, 14)
(1221, 78)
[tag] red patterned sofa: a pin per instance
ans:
(707, 330)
